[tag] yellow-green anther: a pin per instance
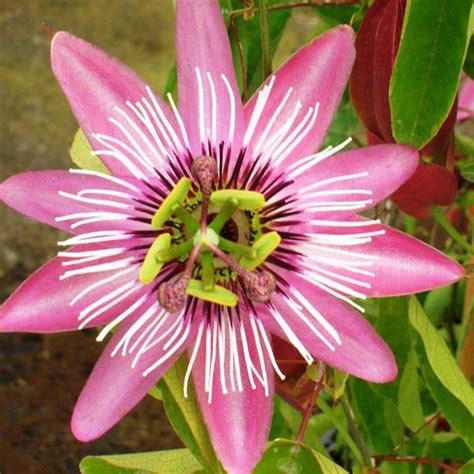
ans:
(191, 224)
(238, 250)
(207, 270)
(174, 252)
(250, 200)
(218, 294)
(224, 215)
(264, 246)
(151, 266)
(176, 196)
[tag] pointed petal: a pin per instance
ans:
(239, 421)
(43, 302)
(405, 265)
(377, 170)
(114, 387)
(362, 352)
(37, 195)
(95, 85)
(317, 73)
(202, 42)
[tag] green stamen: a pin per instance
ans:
(264, 246)
(224, 215)
(191, 224)
(207, 270)
(238, 250)
(250, 200)
(151, 266)
(175, 252)
(218, 294)
(176, 196)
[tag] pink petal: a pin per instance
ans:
(42, 302)
(95, 84)
(202, 42)
(387, 168)
(238, 422)
(405, 265)
(362, 352)
(318, 73)
(114, 387)
(466, 100)
(36, 195)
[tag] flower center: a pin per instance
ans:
(216, 235)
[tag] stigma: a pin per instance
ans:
(199, 216)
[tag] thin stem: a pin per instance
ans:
(240, 49)
(449, 228)
(354, 429)
(416, 432)
(312, 401)
(314, 3)
(265, 38)
(339, 425)
(414, 459)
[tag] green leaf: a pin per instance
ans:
(176, 461)
(426, 72)
(335, 15)
(409, 402)
(469, 62)
(447, 384)
(370, 409)
(468, 468)
(185, 416)
(286, 456)
(450, 446)
(392, 325)
(81, 154)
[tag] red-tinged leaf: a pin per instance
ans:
(363, 73)
(387, 40)
(431, 185)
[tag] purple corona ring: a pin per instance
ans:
(219, 225)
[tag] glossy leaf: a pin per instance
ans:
(447, 384)
(81, 154)
(176, 461)
(184, 415)
(285, 456)
(427, 68)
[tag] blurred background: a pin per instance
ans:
(41, 376)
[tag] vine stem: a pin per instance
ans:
(311, 403)
(354, 429)
(414, 459)
(265, 38)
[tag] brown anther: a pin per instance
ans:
(172, 295)
(259, 286)
(204, 168)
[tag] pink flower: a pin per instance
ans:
(296, 224)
